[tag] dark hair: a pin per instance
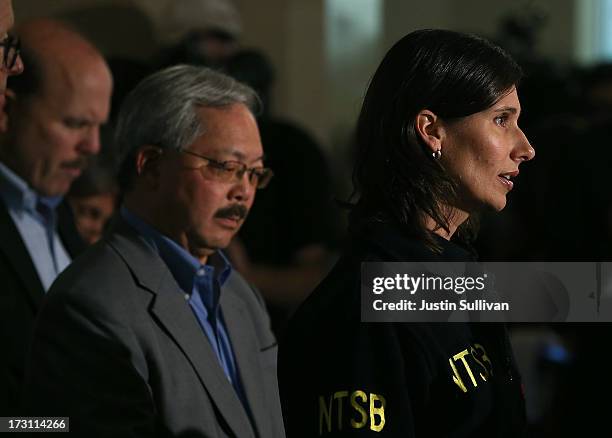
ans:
(97, 179)
(449, 73)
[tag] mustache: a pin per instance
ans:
(232, 211)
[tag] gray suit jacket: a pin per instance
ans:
(118, 349)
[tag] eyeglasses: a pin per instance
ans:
(10, 51)
(227, 171)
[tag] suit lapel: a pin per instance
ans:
(247, 352)
(17, 255)
(173, 313)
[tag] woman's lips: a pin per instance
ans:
(506, 182)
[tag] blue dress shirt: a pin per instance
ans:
(201, 285)
(35, 219)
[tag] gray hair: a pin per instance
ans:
(162, 110)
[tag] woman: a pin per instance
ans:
(438, 142)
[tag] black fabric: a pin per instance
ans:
(21, 294)
(67, 230)
(327, 356)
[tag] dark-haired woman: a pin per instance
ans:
(438, 142)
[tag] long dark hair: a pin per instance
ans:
(451, 74)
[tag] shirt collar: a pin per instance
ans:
(390, 242)
(180, 262)
(51, 202)
(18, 195)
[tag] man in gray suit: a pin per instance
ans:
(151, 332)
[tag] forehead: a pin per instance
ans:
(59, 76)
(510, 100)
(84, 90)
(229, 133)
(6, 16)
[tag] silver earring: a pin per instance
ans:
(437, 154)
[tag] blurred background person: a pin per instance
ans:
(288, 243)
(54, 114)
(93, 198)
(206, 32)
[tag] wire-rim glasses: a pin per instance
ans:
(227, 171)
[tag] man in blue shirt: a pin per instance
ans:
(151, 332)
(55, 110)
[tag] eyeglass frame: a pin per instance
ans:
(9, 42)
(236, 173)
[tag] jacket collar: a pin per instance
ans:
(389, 242)
(170, 310)
(17, 256)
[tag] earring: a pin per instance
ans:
(437, 154)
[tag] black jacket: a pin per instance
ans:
(341, 377)
(21, 294)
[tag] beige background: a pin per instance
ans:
(293, 33)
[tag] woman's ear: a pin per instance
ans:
(429, 129)
(147, 164)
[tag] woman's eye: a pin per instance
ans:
(501, 120)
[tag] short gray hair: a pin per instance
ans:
(162, 111)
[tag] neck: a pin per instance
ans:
(146, 213)
(202, 256)
(151, 215)
(455, 218)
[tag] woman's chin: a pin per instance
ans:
(498, 205)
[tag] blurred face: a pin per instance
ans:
(53, 133)
(483, 152)
(206, 212)
(91, 214)
(6, 23)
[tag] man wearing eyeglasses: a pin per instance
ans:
(11, 61)
(54, 110)
(151, 332)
